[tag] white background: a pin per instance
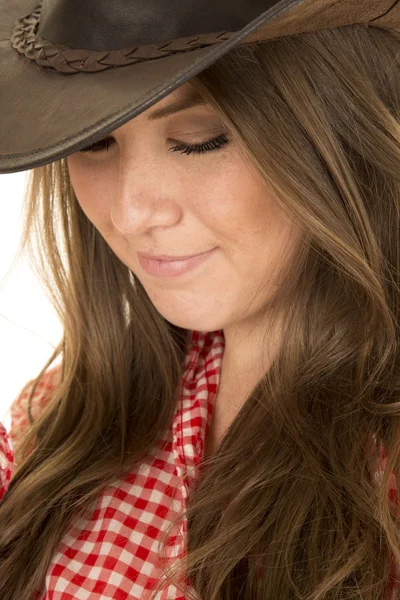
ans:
(29, 326)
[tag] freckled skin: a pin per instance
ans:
(142, 196)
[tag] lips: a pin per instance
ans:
(173, 268)
(168, 257)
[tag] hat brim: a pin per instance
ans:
(45, 116)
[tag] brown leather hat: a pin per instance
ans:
(72, 71)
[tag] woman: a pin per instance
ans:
(224, 427)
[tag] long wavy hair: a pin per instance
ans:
(287, 507)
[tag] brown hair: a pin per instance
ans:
(289, 495)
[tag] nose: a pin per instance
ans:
(143, 198)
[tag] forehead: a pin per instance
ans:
(183, 91)
(187, 90)
(186, 96)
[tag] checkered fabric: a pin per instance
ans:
(112, 555)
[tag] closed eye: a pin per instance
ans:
(213, 144)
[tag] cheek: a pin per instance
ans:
(91, 194)
(226, 196)
(239, 202)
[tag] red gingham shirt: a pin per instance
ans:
(113, 554)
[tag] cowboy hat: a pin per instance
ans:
(71, 71)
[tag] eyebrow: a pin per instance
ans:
(193, 99)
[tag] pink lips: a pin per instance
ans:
(172, 268)
(167, 256)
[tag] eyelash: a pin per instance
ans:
(210, 145)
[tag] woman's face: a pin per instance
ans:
(141, 195)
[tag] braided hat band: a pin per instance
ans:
(46, 55)
(60, 58)
(41, 41)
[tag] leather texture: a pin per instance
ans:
(54, 102)
(101, 25)
(73, 60)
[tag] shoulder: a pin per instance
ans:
(19, 408)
